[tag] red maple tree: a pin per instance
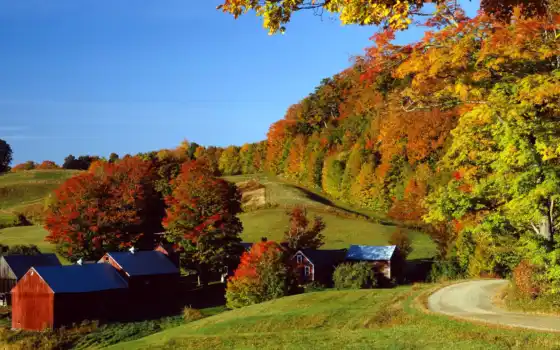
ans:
(112, 208)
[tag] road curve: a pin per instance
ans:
(472, 300)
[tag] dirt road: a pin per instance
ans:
(473, 300)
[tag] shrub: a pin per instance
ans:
(260, 276)
(354, 276)
(190, 314)
(443, 270)
(33, 214)
(313, 287)
(523, 279)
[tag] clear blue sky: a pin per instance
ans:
(127, 76)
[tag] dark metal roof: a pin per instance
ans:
(81, 278)
(20, 264)
(247, 245)
(324, 257)
(370, 253)
(142, 263)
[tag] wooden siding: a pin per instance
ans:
(7, 277)
(299, 268)
(32, 303)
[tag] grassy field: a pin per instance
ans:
(25, 187)
(361, 319)
(344, 225)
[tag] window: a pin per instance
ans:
(299, 259)
(307, 271)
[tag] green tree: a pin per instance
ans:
(5, 156)
(230, 162)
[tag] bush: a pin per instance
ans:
(524, 281)
(261, 276)
(33, 214)
(313, 287)
(354, 276)
(190, 314)
(444, 270)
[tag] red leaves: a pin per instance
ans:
(250, 260)
(200, 203)
(105, 209)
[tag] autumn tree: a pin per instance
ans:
(230, 162)
(29, 165)
(47, 165)
(302, 234)
(111, 209)
(261, 276)
(5, 156)
(201, 218)
(392, 14)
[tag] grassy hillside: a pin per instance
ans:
(19, 191)
(25, 188)
(361, 319)
(345, 225)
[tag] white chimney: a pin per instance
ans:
(79, 262)
(131, 250)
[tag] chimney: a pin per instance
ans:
(79, 262)
(131, 250)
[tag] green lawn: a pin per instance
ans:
(341, 230)
(28, 235)
(361, 319)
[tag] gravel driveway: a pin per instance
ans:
(473, 300)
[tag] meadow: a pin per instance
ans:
(357, 319)
(345, 225)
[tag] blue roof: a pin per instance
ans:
(20, 264)
(142, 263)
(81, 278)
(371, 253)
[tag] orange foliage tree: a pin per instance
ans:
(112, 209)
(47, 165)
(260, 276)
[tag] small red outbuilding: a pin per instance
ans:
(53, 296)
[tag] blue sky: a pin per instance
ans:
(129, 76)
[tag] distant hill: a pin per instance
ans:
(24, 192)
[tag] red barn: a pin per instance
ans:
(53, 296)
(316, 265)
(153, 280)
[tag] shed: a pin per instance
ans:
(316, 265)
(53, 296)
(14, 267)
(386, 259)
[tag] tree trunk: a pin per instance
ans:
(545, 228)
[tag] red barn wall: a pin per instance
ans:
(32, 304)
(300, 269)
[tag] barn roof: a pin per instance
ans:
(371, 253)
(247, 245)
(142, 263)
(81, 278)
(324, 257)
(20, 264)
